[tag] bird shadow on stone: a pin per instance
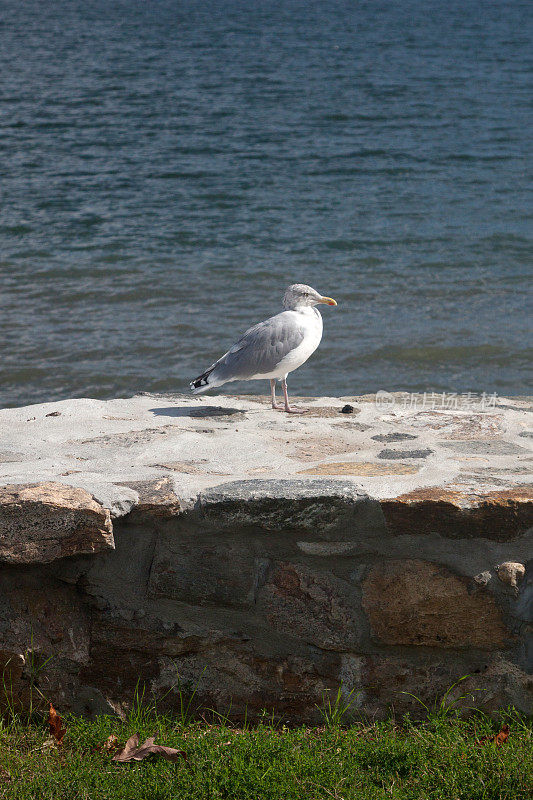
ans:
(187, 411)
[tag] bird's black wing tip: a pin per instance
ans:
(201, 380)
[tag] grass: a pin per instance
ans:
(438, 758)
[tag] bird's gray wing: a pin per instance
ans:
(261, 348)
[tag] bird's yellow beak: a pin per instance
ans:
(329, 301)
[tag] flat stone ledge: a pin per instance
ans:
(452, 472)
(42, 522)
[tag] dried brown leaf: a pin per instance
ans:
(503, 735)
(130, 747)
(55, 725)
(132, 751)
(498, 738)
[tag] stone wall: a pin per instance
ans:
(266, 594)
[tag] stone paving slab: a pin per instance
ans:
(110, 447)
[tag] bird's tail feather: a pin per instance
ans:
(204, 382)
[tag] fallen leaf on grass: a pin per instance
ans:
(503, 735)
(55, 724)
(497, 738)
(132, 751)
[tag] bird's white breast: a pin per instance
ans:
(312, 324)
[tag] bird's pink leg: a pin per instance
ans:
(288, 408)
(275, 404)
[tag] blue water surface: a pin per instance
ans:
(168, 168)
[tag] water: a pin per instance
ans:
(167, 168)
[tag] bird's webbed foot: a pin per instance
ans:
(295, 410)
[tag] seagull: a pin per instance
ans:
(273, 348)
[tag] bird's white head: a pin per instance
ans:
(299, 295)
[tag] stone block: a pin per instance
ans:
(156, 498)
(497, 515)
(205, 570)
(367, 469)
(328, 508)
(405, 684)
(314, 606)
(39, 614)
(250, 682)
(419, 603)
(45, 521)
(44, 638)
(511, 573)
